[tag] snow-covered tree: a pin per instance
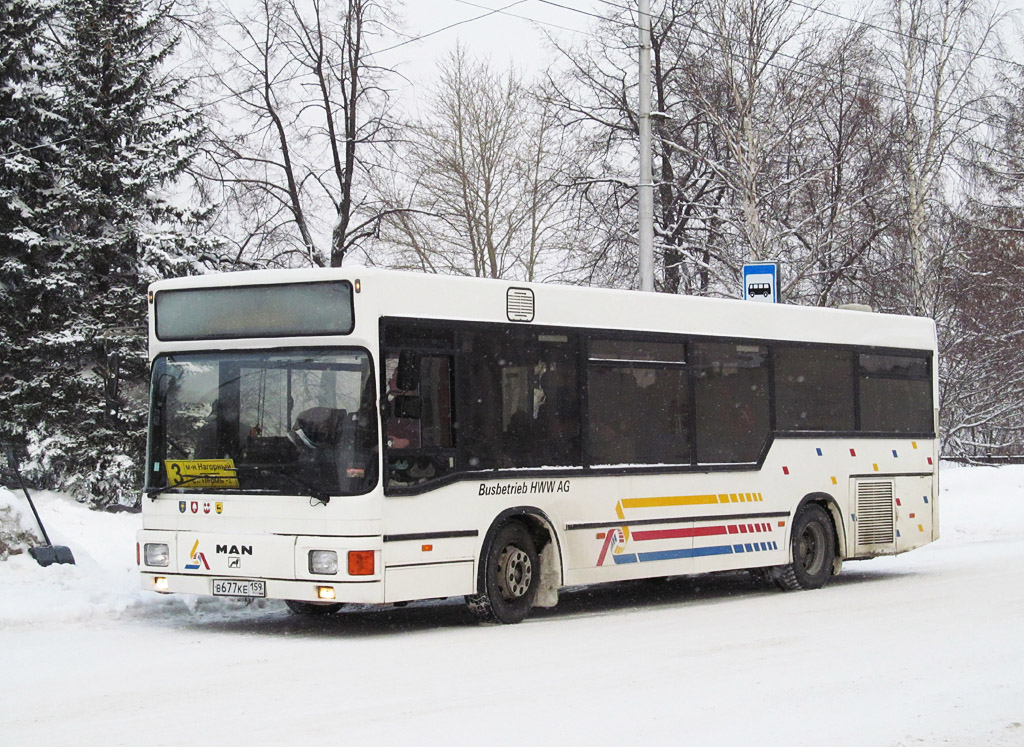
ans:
(28, 128)
(127, 140)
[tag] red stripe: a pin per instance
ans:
(604, 548)
(657, 534)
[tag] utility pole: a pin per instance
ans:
(646, 186)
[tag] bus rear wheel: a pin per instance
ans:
(814, 551)
(312, 608)
(511, 575)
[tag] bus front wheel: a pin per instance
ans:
(511, 575)
(814, 551)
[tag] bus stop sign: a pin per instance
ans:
(761, 282)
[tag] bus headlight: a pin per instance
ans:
(157, 554)
(324, 562)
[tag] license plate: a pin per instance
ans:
(239, 587)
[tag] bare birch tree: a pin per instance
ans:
(303, 115)
(598, 102)
(843, 217)
(763, 55)
(482, 192)
(934, 53)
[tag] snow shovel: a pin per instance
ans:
(49, 553)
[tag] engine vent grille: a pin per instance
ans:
(876, 518)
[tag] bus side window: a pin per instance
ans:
(418, 416)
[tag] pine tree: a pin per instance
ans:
(29, 127)
(128, 139)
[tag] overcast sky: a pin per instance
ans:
(514, 35)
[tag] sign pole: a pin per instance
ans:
(646, 186)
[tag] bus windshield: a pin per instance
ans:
(297, 422)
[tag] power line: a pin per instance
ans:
(903, 34)
(450, 26)
(526, 18)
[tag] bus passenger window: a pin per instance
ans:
(813, 389)
(895, 394)
(639, 403)
(522, 406)
(732, 407)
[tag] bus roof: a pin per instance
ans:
(395, 293)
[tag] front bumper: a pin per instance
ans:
(196, 559)
(359, 592)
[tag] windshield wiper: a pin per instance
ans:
(311, 490)
(153, 493)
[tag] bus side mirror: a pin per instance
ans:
(112, 380)
(408, 376)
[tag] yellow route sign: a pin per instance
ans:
(201, 473)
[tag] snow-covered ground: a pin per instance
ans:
(922, 649)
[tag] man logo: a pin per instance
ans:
(234, 549)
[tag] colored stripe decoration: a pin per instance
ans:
(617, 539)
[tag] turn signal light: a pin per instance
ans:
(360, 563)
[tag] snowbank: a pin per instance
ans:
(920, 649)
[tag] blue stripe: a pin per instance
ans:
(688, 552)
(620, 559)
(699, 552)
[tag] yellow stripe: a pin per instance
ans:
(194, 548)
(672, 500)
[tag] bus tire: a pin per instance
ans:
(814, 551)
(511, 576)
(312, 608)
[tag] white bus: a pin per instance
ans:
(374, 437)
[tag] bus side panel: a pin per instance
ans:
(914, 501)
(427, 581)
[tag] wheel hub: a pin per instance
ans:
(808, 548)
(515, 573)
